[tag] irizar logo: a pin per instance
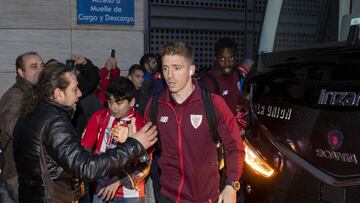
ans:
(339, 98)
(337, 156)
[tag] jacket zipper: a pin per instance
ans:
(181, 161)
(178, 122)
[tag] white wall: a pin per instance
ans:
(49, 27)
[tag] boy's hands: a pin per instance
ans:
(146, 136)
(120, 133)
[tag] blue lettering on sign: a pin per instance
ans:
(114, 12)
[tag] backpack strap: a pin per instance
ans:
(153, 117)
(210, 114)
(211, 118)
(154, 109)
(214, 82)
(145, 97)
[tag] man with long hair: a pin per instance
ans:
(48, 155)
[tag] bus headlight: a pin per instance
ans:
(256, 162)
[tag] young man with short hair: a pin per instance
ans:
(224, 79)
(150, 65)
(188, 161)
(136, 75)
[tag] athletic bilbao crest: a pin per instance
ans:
(195, 120)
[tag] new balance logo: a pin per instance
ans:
(164, 119)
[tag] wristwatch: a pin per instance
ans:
(233, 183)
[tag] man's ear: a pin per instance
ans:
(20, 72)
(192, 70)
(59, 95)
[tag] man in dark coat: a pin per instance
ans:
(44, 134)
(28, 67)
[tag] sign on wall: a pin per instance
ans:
(114, 12)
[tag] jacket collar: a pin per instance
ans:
(195, 95)
(223, 77)
(22, 83)
(68, 111)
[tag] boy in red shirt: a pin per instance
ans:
(98, 137)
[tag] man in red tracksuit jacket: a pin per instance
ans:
(228, 81)
(188, 162)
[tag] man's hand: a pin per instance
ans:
(146, 136)
(79, 60)
(228, 195)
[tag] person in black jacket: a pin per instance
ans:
(46, 125)
(88, 76)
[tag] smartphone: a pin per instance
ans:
(112, 53)
(124, 123)
(70, 63)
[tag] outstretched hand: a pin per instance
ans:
(146, 136)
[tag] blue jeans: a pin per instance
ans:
(7, 191)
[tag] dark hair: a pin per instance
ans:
(51, 61)
(177, 48)
(19, 63)
(121, 88)
(224, 43)
(50, 78)
(158, 59)
(146, 59)
(134, 68)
